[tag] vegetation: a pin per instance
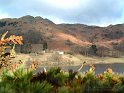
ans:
(2, 23)
(93, 50)
(23, 80)
(8, 43)
(57, 81)
(45, 46)
(68, 42)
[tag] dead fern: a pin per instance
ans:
(8, 43)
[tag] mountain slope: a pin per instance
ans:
(37, 30)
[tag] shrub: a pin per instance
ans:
(63, 90)
(8, 43)
(57, 81)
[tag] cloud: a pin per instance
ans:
(3, 15)
(97, 12)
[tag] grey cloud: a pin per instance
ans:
(95, 11)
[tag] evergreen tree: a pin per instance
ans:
(45, 46)
(93, 50)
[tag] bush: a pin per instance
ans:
(57, 81)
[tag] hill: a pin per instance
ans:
(37, 30)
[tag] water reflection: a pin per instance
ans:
(100, 68)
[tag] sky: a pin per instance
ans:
(90, 12)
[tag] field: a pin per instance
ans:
(66, 59)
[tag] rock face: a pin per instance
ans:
(37, 30)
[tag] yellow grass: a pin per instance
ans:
(66, 59)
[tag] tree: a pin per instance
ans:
(93, 50)
(45, 46)
(2, 24)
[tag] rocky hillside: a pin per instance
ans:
(36, 31)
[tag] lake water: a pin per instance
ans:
(99, 68)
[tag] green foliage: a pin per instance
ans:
(56, 77)
(58, 81)
(43, 87)
(19, 81)
(63, 90)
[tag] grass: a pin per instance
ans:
(66, 59)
